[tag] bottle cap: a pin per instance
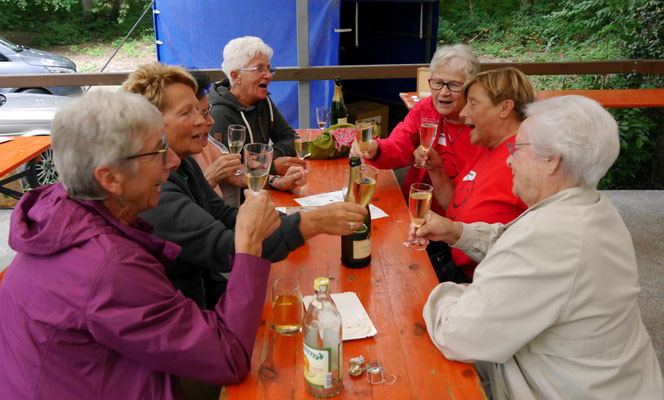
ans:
(355, 160)
(321, 284)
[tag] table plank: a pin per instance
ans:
(393, 290)
(20, 150)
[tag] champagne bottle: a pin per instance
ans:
(322, 343)
(338, 114)
(356, 247)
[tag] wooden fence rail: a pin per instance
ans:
(351, 72)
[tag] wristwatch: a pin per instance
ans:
(274, 178)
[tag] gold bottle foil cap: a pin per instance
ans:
(322, 284)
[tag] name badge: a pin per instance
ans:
(441, 140)
(470, 177)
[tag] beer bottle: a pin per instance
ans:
(322, 344)
(338, 114)
(356, 247)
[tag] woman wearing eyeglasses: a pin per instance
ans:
(243, 99)
(451, 66)
(552, 312)
(86, 307)
(495, 106)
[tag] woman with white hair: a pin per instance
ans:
(552, 310)
(87, 310)
(242, 99)
(451, 66)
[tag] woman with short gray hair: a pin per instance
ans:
(552, 310)
(451, 66)
(242, 99)
(86, 306)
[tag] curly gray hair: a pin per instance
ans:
(100, 128)
(458, 58)
(580, 130)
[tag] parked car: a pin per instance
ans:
(31, 114)
(19, 59)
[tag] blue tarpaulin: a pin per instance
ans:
(193, 34)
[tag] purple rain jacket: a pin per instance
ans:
(88, 313)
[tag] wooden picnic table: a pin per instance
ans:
(393, 290)
(610, 98)
(16, 152)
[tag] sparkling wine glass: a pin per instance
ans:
(364, 130)
(257, 161)
(303, 144)
(419, 203)
(363, 185)
(428, 128)
(321, 116)
(236, 137)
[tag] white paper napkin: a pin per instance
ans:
(355, 320)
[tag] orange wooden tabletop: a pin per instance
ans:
(20, 150)
(613, 98)
(393, 290)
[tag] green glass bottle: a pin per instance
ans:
(338, 113)
(356, 247)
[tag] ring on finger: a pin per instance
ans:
(351, 225)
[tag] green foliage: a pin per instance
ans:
(577, 30)
(62, 22)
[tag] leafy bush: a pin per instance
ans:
(578, 30)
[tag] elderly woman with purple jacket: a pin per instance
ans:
(87, 311)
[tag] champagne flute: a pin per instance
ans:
(287, 310)
(321, 116)
(363, 185)
(236, 136)
(428, 128)
(419, 203)
(364, 130)
(302, 144)
(257, 161)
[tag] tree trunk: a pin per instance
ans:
(470, 6)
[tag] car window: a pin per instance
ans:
(8, 44)
(3, 58)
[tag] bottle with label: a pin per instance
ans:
(338, 114)
(356, 247)
(322, 344)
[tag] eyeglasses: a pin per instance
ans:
(453, 86)
(205, 113)
(163, 151)
(261, 69)
(513, 147)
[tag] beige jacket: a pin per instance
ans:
(552, 311)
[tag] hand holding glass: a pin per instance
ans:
(257, 161)
(428, 128)
(236, 136)
(287, 308)
(321, 116)
(419, 203)
(364, 130)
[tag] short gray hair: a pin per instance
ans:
(239, 51)
(458, 58)
(99, 128)
(578, 129)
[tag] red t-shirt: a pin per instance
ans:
(483, 193)
(452, 143)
